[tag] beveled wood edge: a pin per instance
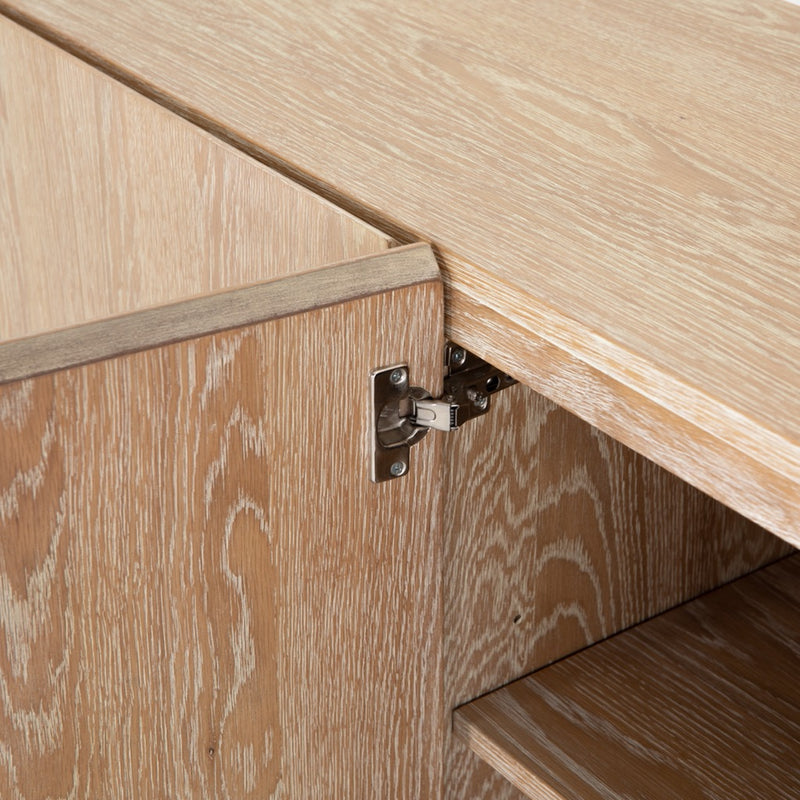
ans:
(199, 316)
(742, 481)
(466, 722)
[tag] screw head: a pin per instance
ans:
(458, 355)
(398, 468)
(398, 376)
(478, 399)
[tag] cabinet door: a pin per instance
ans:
(202, 594)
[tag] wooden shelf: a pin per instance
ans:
(700, 702)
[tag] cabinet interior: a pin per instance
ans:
(556, 538)
(701, 701)
(113, 204)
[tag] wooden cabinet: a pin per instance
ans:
(201, 592)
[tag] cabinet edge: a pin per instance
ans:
(199, 316)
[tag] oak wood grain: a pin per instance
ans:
(557, 536)
(336, 283)
(201, 592)
(110, 204)
(700, 702)
(618, 179)
(734, 477)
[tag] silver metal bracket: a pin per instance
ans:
(393, 429)
(403, 414)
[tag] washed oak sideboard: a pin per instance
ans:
(218, 221)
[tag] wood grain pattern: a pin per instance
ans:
(735, 478)
(110, 204)
(557, 536)
(618, 179)
(201, 592)
(337, 283)
(700, 702)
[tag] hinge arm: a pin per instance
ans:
(438, 415)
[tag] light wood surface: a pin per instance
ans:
(110, 204)
(618, 179)
(402, 266)
(555, 537)
(617, 226)
(700, 702)
(732, 476)
(201, 592)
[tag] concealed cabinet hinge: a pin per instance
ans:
(403, 414)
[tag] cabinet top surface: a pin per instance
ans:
(619, 178)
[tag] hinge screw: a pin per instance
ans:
(478, 399)
(398, 377)
(398, 468)
(458, 355)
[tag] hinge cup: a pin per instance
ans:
(393, 428)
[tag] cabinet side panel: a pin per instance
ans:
(109, 203)
(557, 536)
(201, 593)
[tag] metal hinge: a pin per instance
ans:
(403, 413)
